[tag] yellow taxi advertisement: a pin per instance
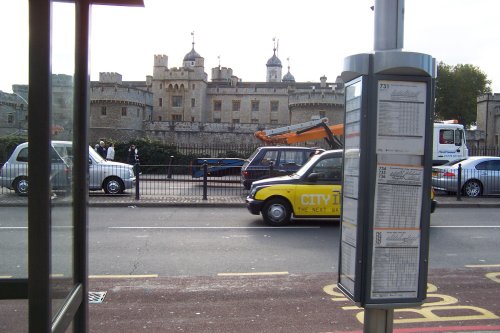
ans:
(319, 200)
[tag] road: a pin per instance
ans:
(222, 270)
(175, 241)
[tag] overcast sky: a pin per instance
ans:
(315, 35)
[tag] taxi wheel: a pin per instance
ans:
(277, 212)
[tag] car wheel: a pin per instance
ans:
(114, 185)
(473, 188)
(21, 186)
(276, 212)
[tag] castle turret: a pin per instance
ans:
(288, 76)
(192, 59)
(273, 68)
(160, 64)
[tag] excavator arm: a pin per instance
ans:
(313, 130)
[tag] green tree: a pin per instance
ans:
(457, 88)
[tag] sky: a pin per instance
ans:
(315, 36)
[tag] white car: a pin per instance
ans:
(112, 177)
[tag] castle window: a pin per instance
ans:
(160, 101)
(274, 106)
(161, 86)
(236, 121)
(236, 105)
(216, 120)
(176, 101)
(255, 121)
(193, 86)
(193, 102)
(10, 118)
(274, 121)
(177, 117)
(159, 118)
(103, 110)
(124, 111)
(255, 105)
(217, 105)
(138, 112)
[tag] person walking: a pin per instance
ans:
(101, 150)
(110, 154)
(132, 155)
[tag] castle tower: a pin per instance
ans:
(274, 66)
(192, 59)
(288, 76)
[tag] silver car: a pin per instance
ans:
(112, 177)
(480, 176)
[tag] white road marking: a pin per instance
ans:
(465, 226)
(252, 273)
(228, 228)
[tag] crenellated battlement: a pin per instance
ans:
(161, 60)
(110, 77)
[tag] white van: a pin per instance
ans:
(112, 177)
(449, 143)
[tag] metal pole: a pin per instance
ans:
(137, 173)
(389, 25)
(378, 320)
(389, 33)
(169, 171)
(459, 182)
(205, 172)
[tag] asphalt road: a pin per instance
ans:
(222, 270)
(181, 241)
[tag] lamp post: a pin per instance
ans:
(18, 113)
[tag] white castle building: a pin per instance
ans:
(181, 105)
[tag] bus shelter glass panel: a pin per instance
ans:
(14, 109)
(63, 69)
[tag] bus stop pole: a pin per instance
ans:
(389, 35)
(378, 320)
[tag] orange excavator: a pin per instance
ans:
(311, 130)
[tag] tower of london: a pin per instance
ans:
(182, 105)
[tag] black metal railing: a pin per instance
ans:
(199, 180)
(484, 151)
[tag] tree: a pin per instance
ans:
(457, 88)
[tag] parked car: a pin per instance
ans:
(216, 167)
(480, 176)
(112, 177)
(272, 161)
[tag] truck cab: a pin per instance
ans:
(449, 143)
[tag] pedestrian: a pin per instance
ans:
(101, 150)
(133, 156)
(110, 155)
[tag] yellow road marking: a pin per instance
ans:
(252, 273)
(5, 276)
(494, 276)
(474, 266)
(123, 276)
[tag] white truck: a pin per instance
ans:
(449, 142)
